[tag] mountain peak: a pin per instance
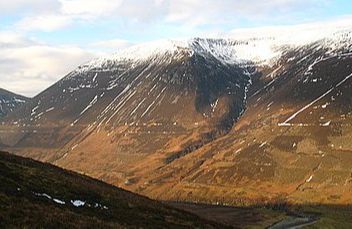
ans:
(247, 46)
(227, 51)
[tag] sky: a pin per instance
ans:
(43, 40)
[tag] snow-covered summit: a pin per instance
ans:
(260, 47)
(228, 51)
(151, 49)
(141, 52)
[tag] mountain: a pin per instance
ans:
(178, 90)
(35, 194)
(9, 101)
(292, 142)
(235, 121)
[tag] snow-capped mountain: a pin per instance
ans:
(10, 101)
(263, 49)
(171, 119)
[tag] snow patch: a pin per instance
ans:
(326, 124)
(263, 144)
(50, 198)
(91, 103)
(78, 203)
(286, 123)
(309, 179)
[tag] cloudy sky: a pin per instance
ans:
(42, 40)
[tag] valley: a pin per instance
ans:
(55, 197)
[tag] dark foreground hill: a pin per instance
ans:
(38, 195)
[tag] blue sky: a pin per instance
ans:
(42, 40)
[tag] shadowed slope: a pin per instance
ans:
(34, 194)
(10, 101)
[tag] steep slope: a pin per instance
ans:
(213, 120)
(186, 91)
(10, 101)
(292, 144)
(34, 194)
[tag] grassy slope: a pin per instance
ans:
(21, 178)
(331, 216)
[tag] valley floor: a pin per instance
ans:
(300, 216)
(237, 217)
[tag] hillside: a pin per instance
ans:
(292, 142)
(40, 195)
(35, 194)
(10, 101)
(232, 121)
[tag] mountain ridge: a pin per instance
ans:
(225, 48)
(199, 123)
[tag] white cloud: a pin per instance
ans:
(201, 12)
(295, 33)
(45, 23)
(28, 68)
(48, 15)
(112, 45)
(12, 39)
(89, 7)
(31, 6)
